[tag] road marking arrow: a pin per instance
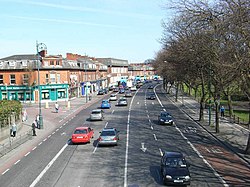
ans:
(143, 148)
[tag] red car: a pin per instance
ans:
(82, 135)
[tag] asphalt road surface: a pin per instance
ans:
(136, 159)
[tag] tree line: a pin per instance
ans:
(206, 47)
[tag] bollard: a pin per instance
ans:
(47, 105)
(68, 104)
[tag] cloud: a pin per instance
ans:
(86, 9)
(66, 21)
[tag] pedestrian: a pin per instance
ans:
(34, 128)
(56, 107)
(25, 117)
(13, 129)
(37, 120)
(222, 111)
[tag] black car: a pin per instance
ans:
(116, 89)
(174, 169)
(165, 118)
(101, 92)
(151, 96)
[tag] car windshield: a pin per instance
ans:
(80, 131)
(112, 95)
(108, 133)
(175, 162)
(104, 102)
(123, 100)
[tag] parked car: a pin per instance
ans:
(128, 93)
(165, 118)
(108, 136)
(106, 90)
(174, 169)
(122, 102)
(133, 88)
(101, 92)
(82, 135)
(96, 114)
(150, 96)
(113, 97)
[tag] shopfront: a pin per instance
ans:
(21, 93)
(52, 92)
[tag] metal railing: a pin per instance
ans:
(15, 142)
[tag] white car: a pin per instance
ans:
(113, 97)
(96, 114)
(133, 88)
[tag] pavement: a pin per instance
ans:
(232, 135)
(67, 109)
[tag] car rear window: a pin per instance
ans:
(80, 131)
(108, 133)
(96, 112)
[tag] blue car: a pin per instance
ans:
(105, 104)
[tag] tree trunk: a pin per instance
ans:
(217, 123)
(201, 116)
(176, 92)
(230, 105)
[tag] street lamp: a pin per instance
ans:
(86, 77)
(39, 47)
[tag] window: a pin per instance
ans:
(57, 62)
(45, 95)
(53, 78)
(58, 78)
(51, 62)
(25, 79)
(47, 78)
(12, 79)
(1, 79)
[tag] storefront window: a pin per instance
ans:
(4, 96)
(20, 96)
(45, 95)
(61, 94)
(28, 96)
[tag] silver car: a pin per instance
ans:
(108, 136)
(122, 102)
(96, 114)
(113, 97)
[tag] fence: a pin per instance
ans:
(14, 142)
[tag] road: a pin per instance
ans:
(136, 160)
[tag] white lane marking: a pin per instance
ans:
(53, 132)
(155, 137)
(127, 141)
(5, 171)
(152, 127)
(161, 153)
(45, 139)
(60, 127)
(149, 120)
(106, 124)
(95, 148)
(60, 120)
(34, 148)
(164, 109)
(27, 154)
(147, 115)
(138, 103)
(113, 112)
(152, 103)
(204, 160)
(16, 162)
(47, 167)
(57, 129)
(49, 136)
(40, 143)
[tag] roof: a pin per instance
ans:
(173, 154)
(108, 129)
(96, 110)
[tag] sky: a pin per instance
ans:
(122, 29)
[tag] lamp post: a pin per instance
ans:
(86, 77)
(39, 47)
